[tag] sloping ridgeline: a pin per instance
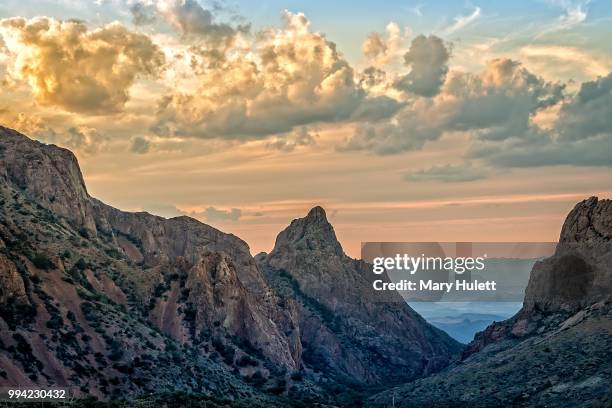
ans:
(556, 351)
(131, 306)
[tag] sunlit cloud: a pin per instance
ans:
(80, 70)
(374, 119)
(460, 22)
(566, 59)
(574, 13)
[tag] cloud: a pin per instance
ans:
(449, 173)
(592, 152)
(382, 49)
(187, 17)
(497, 104)
(164, 210)
(565, 60)
(289, 77)
(142, 14)
(212, 214)
(408, 130)
(80, 70)
(574, 13)
(581, 136)
(589, 113)
(140, 145)
(298, 138)
(84, 139)
(374, 46)
(30, 125)
(463, 21)
(428, 61)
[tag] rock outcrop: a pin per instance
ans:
(12, 289)
(117, 304)
(577, 276)
(344, 331)
(47, 174)
(555, 351)
(120, 303)
(580, 272)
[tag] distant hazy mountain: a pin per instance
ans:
(463, 326)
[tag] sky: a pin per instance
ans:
(405, 120)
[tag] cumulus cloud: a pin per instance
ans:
(187, 17)
(298, 138)
(497, 104)
(143, 14)
(30, 125)
(290, 77)
(374, 46)
(581, 136)
(385, 48)
(77, 69)
(428, 61)
(449, 173)
(212, 214)
(140, 145)
(589, 113)
(372, 76)
(82, 139)
(408, 130)
(500, 102)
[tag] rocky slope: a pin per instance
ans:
(557, 350)
(344, 331)
(578, 275)
(116, 304)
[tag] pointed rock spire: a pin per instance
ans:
(313, 232)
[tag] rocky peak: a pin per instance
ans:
(580, 271)
(341, 329)
(590, 219)
(49, 175)
(576, 280)
(313, 232)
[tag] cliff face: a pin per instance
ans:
(48, 175)
(580, 272)
(344, 331)
(555, 351)
(121, 303)
(117, 304)
(568, 283)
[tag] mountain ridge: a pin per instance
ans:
(555, 351)
(96, 298)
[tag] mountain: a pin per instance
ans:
(556, 351)
(120, 305)
(344, 332)
(463, 326)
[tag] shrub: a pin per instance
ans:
(80, 264)
(246, 360)
(42, 261)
